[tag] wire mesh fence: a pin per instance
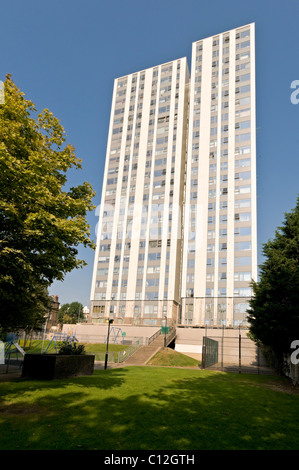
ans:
(234, 354)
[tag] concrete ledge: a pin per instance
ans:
(57, 366)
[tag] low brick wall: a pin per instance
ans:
(57, 366)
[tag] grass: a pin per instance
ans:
(36, 346)
(169, 357)
(150, 408)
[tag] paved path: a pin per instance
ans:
(13, 373)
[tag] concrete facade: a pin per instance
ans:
(189, 341)
(177, 230)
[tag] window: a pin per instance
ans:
(191, 263)
(241, 307)
(223, 219)
(243, 34)
(102, 272)
(151, 295)
(243, 89)
(242, 276)
(242, 176)
(242, 231)
(242, 291)
(240, 203)
(188, 317)
(242, 246)
(222, 292)
(150, 310)
(242, 150)
(242, 101)
(189, 292)
(152, 282)
(243, 55)
(242, 125)
(243, 261)
(242, 113)
(101, 284)
(242, 189)
(242, 163)
(242, 137)
(242, 45)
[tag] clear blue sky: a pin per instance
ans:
(65, 54)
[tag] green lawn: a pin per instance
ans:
(98, 349)
(150, 408)
(169, 357)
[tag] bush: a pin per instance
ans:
(71, 348)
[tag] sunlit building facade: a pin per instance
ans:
(138, 257)
(219, 255)
(177, 222)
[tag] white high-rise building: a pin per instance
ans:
(138, 257)
(177, 222)
(220, 249)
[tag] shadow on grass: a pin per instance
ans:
(153, 409)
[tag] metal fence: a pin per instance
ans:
(115, 356)
(209, 352)
(234, 354)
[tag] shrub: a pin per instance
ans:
(71, 348)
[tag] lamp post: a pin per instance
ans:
(110, 320)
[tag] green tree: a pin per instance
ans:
(41, 222)
(70, 313)
(274, 308)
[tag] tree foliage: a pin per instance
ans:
(274, 308)
(41, 222)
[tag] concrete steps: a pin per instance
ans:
(145, 353)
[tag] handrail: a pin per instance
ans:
(153, 337)
(171, 335)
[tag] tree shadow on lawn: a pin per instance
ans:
(202, 411)
(208, 411)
